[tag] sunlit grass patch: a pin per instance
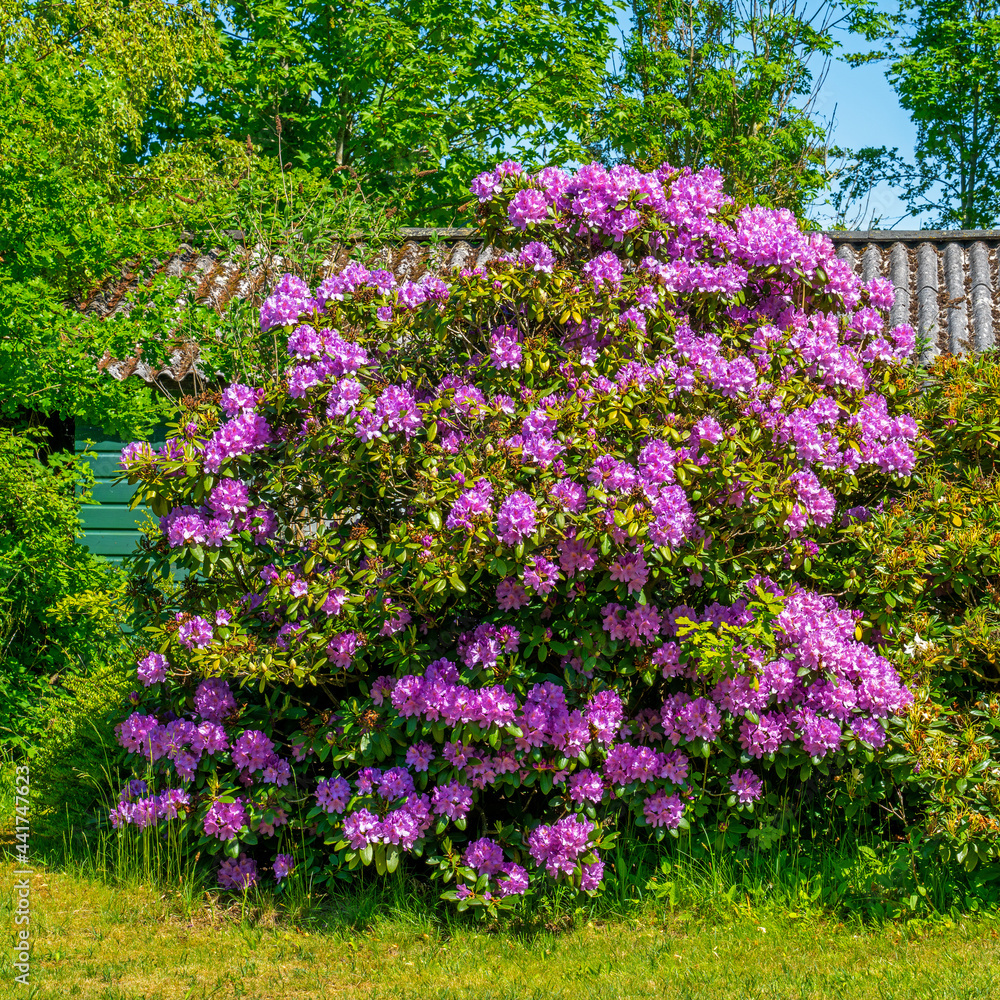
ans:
(98, 940)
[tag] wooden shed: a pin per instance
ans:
(110, 528)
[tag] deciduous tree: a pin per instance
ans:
(422, 89)
(732, 84)
(946, 70)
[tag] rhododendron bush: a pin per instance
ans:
(511, 553)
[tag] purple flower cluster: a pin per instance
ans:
(516, 518)
(663, 810)
(557, 848)
(142, 811)
(538, 257)
(193, 631)
(404, 825)
(137, 453)
(483, 646)
(282, 867)
(333, 794)
(475, 502)
(505, 351)
(395, 411)
(289, 300)
(528, 207)
(746, 786)
(453, 800)
(244, 435)
(627, 763)
(179, 741)
(229, 498)
(225, 820)
(437, 695)
(239, 874)
(238, 398)
(152, 669)
(486, 857)
(253, 752)
(825, 682)
(639, 625)
(213, 700)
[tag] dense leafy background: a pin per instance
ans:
(125, 126)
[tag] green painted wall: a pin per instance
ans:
(110, 528)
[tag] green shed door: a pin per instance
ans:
(110, 528)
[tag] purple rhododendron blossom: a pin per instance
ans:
(238, 874)
(663, 810)
(505, 351)
(213, 700)
(746, 785)
(516, 518)
(485, 856)
(527, 207)
(194, 632)
(152, 669)
(459, 532)
(224, 820)
(452, 800)
(538, 257)
(557, 847)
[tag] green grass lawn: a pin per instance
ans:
(110, 920)
(97, 940)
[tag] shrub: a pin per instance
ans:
(42, 567)
(509, 554)
(922, 565)
(74, 757)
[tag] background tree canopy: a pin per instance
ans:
(126, 125)
(942, 59)
(426, 89)
(946, 70)
(730, 84)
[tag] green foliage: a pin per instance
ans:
(74, 203)
(60, 606)
(923, 566)
(84, 193)
(303, 226)
(729, 86)
(944, 71)
(73, 755)
(77, 193)
(873, 880)
(428, 91)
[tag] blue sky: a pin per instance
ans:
(865, 112)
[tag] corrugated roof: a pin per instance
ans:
(219, 278)
(946, 282)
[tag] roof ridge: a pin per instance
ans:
(405, 233)
(913, 235)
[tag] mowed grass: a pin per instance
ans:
(96, 940)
